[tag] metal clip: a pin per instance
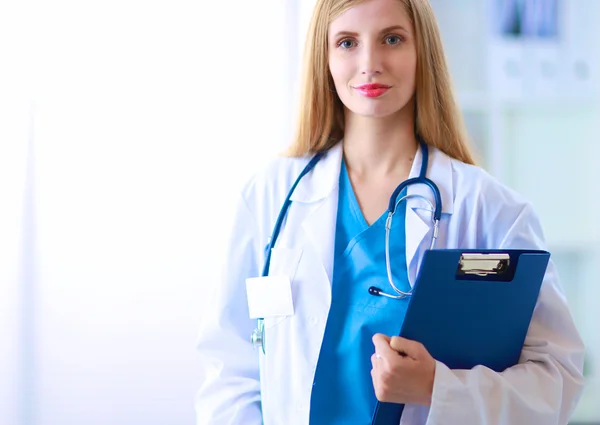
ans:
(258, 336)
(484, 264)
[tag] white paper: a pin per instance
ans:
(269, 296)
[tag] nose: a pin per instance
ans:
(371, 61)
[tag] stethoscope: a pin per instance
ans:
(257, 337)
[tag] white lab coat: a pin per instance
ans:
(478, 212)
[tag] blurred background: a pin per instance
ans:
(126, 126)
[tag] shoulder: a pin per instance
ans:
(270, 183)
(280, 171)
(497, 213)
(474, 183)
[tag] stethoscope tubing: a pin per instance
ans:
(258, 334)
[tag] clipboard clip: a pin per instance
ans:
(480, 264)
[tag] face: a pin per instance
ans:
(373, 58)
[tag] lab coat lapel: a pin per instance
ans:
(319, 192)
(419, 223)
(416, 229)
(319, 227)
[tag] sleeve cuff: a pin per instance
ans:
(439, 398)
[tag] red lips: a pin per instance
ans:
(373, 87)
(373, 90)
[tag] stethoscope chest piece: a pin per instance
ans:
(258, 336)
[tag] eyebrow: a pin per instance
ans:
(387, 29)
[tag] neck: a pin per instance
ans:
(379, 147)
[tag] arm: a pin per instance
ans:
(230, 389)
(544, 388)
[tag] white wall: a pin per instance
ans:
(14, 138)
(148, 116)
(13, 153)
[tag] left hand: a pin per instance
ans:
(403, 371)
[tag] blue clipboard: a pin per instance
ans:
(471, 307)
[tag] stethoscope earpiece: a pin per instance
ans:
(374, 291)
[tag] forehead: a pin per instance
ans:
(371, 15)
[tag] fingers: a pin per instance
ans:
(375, 362)
(382, 345)
(381, 337)
(386, 347)
(412, 349)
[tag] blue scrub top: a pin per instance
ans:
(343, 391)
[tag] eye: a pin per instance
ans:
(393, 39)
(346, 44)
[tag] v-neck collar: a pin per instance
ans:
(354, 205)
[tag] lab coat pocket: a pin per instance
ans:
(284, 263)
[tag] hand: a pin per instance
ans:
(403, 371)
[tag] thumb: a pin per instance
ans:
(406, 347)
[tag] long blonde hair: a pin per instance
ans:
(321, 113)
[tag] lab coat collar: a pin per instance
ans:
(321, 182)
(324, 178)
(419, 222)
(439, 170)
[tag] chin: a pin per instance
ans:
(376, 111)
(377, 108)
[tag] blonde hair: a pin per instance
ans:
(321, 113)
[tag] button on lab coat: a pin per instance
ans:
(241, 386)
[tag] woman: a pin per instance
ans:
(375, 84)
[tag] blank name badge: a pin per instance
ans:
(269, 296)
